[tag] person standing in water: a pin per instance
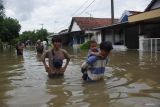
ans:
(95, 65)
(19, 47)
(39, 47)
(55, 56)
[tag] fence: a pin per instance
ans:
(150, 44)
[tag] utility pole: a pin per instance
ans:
(41, 25)
(112, 17)
(112, 11)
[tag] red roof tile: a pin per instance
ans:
(90, 22)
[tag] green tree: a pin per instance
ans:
(10, 30)
(27, 35)
(42, 34)
(33, 35)
(1, 9)
(1, 18)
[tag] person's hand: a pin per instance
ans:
(47, 69)
(63, 69)
(100, 55)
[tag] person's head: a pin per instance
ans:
(93, 46)
(105, 48)
(56, 42)
(38, 41)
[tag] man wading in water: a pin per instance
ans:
(55, 56)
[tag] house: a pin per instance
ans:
(136, 30)
(148, 25)
(85, 26)
(117, 33)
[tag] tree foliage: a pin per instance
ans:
(1, 9)
(9, 27)
(1, 17)
(10, 30)
(34, 35)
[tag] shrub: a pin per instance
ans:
(85, 45)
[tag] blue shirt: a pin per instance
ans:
(89, 53)
(97, 67)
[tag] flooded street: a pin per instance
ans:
(132, 79)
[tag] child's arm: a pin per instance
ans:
(89, 62)
(94, 53)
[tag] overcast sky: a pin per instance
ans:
(55, 15)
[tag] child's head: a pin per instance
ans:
(56, 42)
(105, 48)
(93, 46)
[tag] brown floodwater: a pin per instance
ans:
(132, 79)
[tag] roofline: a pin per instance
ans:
(51, 36)
(145, 15)
(123, 23)
(150, 4)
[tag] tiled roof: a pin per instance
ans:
(90, 22)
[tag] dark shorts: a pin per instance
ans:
(55, 75)
(85, 75)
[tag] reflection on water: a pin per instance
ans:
(132, 79)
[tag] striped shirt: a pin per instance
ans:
(97, 67)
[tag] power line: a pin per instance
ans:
(79, 8)
(80, 12)
(74, 13)
(87, 7)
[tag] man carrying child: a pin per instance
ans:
(94, 68)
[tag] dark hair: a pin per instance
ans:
(56, 39)
(106, 46)
(92, 41)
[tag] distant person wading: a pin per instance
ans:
(19, 47)
(39, 47)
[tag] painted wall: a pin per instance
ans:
(97, 37)
(108, 37)
(75, 27)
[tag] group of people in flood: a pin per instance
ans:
(92, 69)
(39, 46)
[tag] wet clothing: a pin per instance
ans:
(55, 58)
(57, 63)
(89, 52)
(95, 68)
(55, 75)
